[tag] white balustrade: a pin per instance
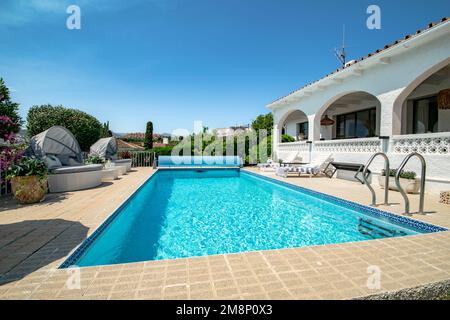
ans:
(362, 145)
(428, 144)
(299, 146)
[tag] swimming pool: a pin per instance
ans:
(198, 212)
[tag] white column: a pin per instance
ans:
(313, 128)
(275, 142)
(391, 121)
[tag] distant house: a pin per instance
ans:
(128, 146)
(231, 131)
(135, 141)
(134, 136)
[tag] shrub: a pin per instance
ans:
(163, 151)
(7, 129)
(86, 128)
(148, 142)
(410, 175)
(28, 167)
(95, 159)
(285, 138)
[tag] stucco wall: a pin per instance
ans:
(391, 83)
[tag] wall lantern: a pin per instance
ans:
(444, 99)
(326, 121)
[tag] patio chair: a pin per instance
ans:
(75, 178)
(60, 150)
(107, 148)
(317, 166)
(292, 158)
(269, 166)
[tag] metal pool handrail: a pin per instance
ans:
(422, 182)
(386, 183)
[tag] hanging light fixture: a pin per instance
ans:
(326, 121)
(443, 99)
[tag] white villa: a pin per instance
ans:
(231, 131)
(395, 100)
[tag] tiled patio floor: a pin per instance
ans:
(35, 240)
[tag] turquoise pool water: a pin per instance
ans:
(185, 213)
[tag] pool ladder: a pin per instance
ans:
(397, 180)
(422, 182)
(386, 183)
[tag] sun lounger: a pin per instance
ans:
(123, 163)
(314, 168)
(269, 166)
(60, 150)
(107, 149)
(74, 178)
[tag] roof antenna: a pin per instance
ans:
(340, 53)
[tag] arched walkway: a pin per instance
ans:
(295, 124)
(348, 115)
(415, 110)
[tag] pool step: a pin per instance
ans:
(375, 231)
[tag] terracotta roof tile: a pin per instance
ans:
(128, 145)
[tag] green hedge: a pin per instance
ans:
(163, 151)
(86, 128)
(285, 138)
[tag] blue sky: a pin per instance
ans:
(177, 61)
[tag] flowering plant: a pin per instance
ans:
(7, 129)
(9, 155)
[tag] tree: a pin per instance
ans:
(86, 128)
(263, 122)
(8, 108)
(106, 133)
(148, 143)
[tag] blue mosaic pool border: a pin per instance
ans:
(405, 221)
(374, 212)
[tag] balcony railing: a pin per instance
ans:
(428, 143)
(299, 146)
(361, 145)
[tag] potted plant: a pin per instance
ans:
(29, 180)
(408, 181)
(95, 159)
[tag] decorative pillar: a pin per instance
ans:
(313, 128)
(275, 142)
(391, 113)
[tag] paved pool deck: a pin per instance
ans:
(36, 239)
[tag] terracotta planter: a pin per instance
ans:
(409, 185)
(29, 189)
